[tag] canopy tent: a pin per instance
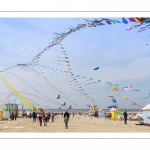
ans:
(101, 113)
(11, 108)
(146, 113)
(1, 114)
(147, 107)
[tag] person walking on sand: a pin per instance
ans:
(48, 116)
(125, 117)
(52, 117)
(45, 119)
(34, 117)
(15, 116)
(110, 115)
(40, 118)
(37, 117)
(66, 118)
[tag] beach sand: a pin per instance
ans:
(76, 124)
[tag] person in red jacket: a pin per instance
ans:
(40, 118)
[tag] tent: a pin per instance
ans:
(146, 113)
(101, 113)
(1, 114)
(11, 108)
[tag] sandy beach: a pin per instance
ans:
(76, 124)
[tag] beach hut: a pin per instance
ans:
(10, 108)
(146, 113)
(115, 113)
(1, 114)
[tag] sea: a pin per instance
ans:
(79, 110)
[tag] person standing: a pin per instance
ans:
(49, 116)
(34, 117)
(66, 118)
(15, 116)
(37, 117)
(125, 117)
(110, 115)
(40, 118)
(52, 117)
(45, 119)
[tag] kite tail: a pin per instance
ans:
(91, 83)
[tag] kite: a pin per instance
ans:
(146, 97)
(126, 88)
(58, 97)
(112, 85)
(70, 107)
(124, 21)
(115, 89)
(140, 21)
(133, 103)
(126, 97)
(113, 99)
(93, 82)
(148, 117)
(24, 48)
(87, 80)
(112, 106)
(96, 68)
(137, 90)
(108, 83)
(63, 104)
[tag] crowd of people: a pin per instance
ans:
(43, 117)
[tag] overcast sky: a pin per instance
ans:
(122, 56)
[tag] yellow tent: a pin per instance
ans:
(1, 114)
(115, 114)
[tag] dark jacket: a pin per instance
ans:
(34, 115)
(125, 114)
(66, 114)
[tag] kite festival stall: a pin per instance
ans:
(146, 113)
(1, 114)
(8, 109)
(94, 111)
(115, 113)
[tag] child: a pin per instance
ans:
(66, 121)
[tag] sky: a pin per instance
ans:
(123, 58)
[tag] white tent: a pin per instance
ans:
(5, 115)
(101, 113)
(146, 113)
